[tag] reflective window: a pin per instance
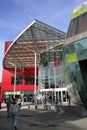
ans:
(81, 49)
(18, 80)
(77, 25)
(72, 27)
(82, 23)
(30, 80)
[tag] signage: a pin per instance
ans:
(57, 61)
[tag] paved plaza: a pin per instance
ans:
(39, 119)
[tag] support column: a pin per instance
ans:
(35, 78)
(15, 82)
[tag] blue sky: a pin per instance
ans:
(15, 15)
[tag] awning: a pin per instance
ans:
(37, 37)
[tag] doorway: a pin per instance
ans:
(83, 68)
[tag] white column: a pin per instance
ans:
(15, 82)
(49, 76)
(35, 78)
(55, 83)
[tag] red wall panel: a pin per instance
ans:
(7, 75)
(7, 44)
(6, 81)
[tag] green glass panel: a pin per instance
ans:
(51, 56)
(81, 49)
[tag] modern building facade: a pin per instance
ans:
(58, 64)
(26, 61)
(75, 55)
(24, 80)
(50, 75)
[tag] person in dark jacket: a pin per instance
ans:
(0, 102)
(8, 101)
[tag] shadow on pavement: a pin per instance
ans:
(39, 120)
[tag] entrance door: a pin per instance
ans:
(83, 68)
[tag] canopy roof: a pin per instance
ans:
(37, 37)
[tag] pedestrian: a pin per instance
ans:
(14, 108)
(0, 102)
(68, 99)
(19, 102)
(8, 101)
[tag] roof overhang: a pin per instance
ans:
(36, 38)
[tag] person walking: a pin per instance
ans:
(68, 99)
(14, 108)
(19, 101)
(0, 101)
(8, 101)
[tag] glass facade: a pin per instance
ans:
(77, 25)
(75, 56)
(30, 80)
(59, 65)
(18, 80)
(50, 68)
(32, 49)
(75, 60)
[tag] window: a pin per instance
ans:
(82, 23)
(30, 80)
(77, 25)
(18, 80)
(72, 28)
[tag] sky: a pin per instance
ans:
(16, 15)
